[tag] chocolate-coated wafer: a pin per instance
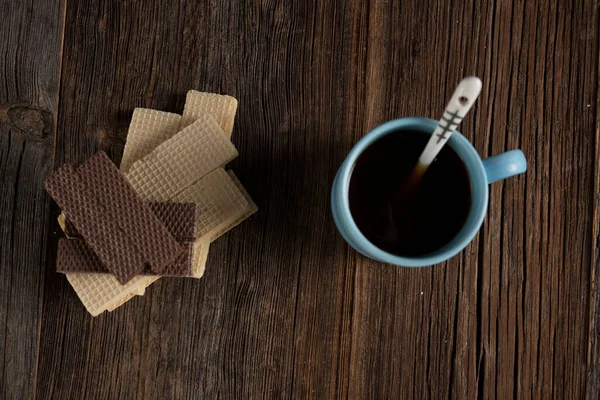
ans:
(178, 218)
(221, 205)
(152, 239)
(74, 255)
(102, 234)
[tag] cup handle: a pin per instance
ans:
(504, 165)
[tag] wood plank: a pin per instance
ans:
(286, 308)
(31, 47)
(593, 356)
(523, 299)
(104, 357)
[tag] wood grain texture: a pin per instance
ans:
(593, 356)
(30, 51)
(286, 309)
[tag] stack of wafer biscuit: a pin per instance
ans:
(176, 165)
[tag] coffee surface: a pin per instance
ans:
(408, 221)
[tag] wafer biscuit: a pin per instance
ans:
(124, 300)
(75, 256)
(248, 210)
(178, 218)
(201, 247)
(234, 218)
(153, 241)
(102, 294)
(221, 107)
(222, 195)
(147, 130)
(98, 292)
(104, 235)
(62, 222)
(217, 199)
(181, 160)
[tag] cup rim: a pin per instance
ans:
(463, 237)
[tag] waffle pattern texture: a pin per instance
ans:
(153, 240)
(220, 199)
(221, 107)
(182, 160)
(74, 255)
(147, 130)
(178, 218)
(103, 235)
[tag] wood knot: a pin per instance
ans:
(34, 123)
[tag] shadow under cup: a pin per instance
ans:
(479, 196)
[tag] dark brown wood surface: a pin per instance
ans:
(286, 309)
(30, 53)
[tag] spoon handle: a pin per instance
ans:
(460, 103)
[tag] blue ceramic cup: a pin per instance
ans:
(481, 173)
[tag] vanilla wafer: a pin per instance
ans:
(201, 247)
(233, 218)
(241, 215)
(221, 107)
(217, 199)
(123, 300)
(148, 129)
(180, 161)
(100, 291)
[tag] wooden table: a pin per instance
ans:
(286, 309)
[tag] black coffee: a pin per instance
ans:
(421, 220)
